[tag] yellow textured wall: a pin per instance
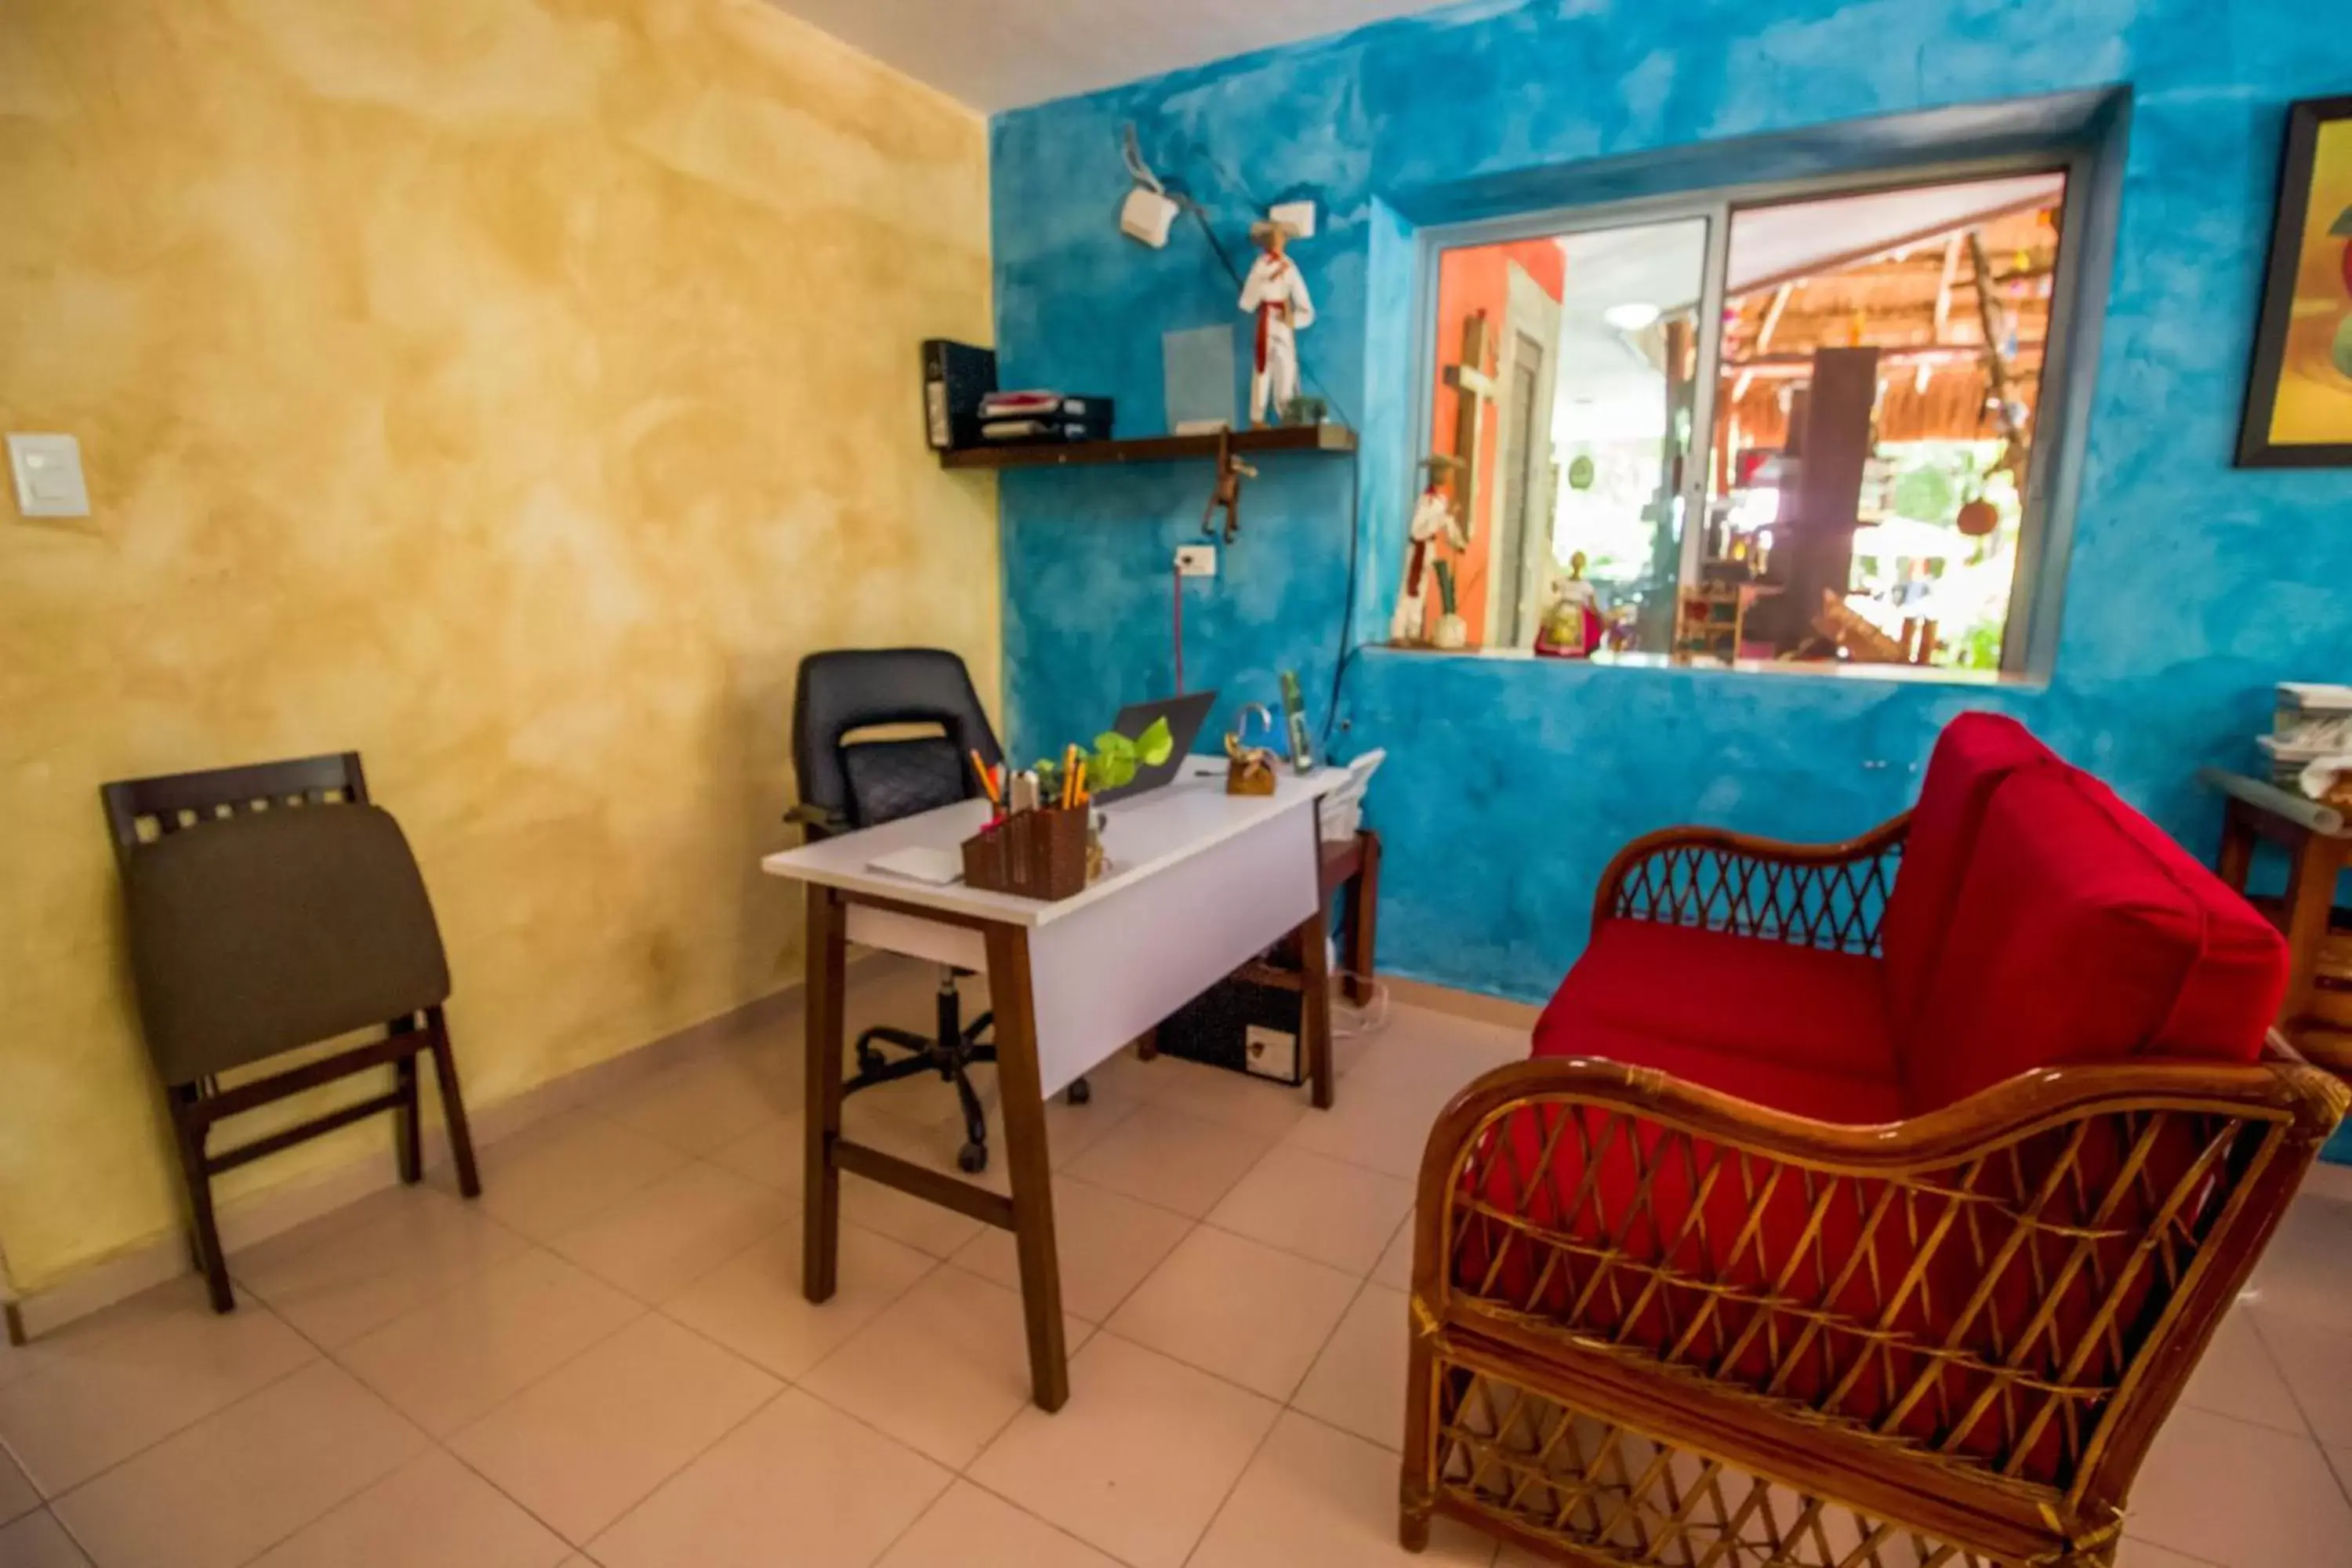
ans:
(513, 390)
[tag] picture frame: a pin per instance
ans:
(2298, 409)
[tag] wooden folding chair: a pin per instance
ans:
(272, 907)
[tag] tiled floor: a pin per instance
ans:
(606, 1361)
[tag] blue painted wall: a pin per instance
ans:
(2193, 586)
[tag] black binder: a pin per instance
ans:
(955, 376)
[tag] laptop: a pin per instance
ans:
(1185, 715)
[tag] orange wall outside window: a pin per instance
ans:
(1470, 280)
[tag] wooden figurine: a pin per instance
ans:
(1433, 520)
(1275, 294)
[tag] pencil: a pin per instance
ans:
(1070, 777)
(987, 779)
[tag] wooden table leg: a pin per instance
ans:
(1032, 1171)
(821, 1039)
(2310, 900)
(1314, 939)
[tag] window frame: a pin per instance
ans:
(2092, 162)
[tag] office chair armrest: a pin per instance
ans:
(820, 821)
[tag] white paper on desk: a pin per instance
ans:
(922, 864)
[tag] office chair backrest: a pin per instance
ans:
(864, 781)
(273, 908)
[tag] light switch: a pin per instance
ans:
(48, 475)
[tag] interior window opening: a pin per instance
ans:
(1810, 441)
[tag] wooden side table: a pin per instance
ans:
(2318, 843)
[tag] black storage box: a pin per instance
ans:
(1247, 1024)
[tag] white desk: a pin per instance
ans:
(1199, 881)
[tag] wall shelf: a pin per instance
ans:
(1154, 448)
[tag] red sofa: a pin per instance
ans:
(1859, 1202)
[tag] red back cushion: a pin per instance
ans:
(1976, 752)
(2075, 938)
(2229, 997)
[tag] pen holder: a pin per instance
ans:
(1034, 854)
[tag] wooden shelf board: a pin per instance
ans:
(1310, 438)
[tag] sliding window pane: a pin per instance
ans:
(1564, 408)
(1880, 393)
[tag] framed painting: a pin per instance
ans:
(2299, 398)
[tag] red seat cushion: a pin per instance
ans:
(2077, 939)
(1773, 1001)
(1823, 1095)
(1975, 752)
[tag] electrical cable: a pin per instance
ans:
(1346, 642)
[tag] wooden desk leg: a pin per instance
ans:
(2310, 898)
(821, 1039)
(1313, 940)
(1032, 1172)
(1363, 923)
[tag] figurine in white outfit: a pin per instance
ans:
(1277, 295)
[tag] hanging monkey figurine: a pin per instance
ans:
(1227, 496)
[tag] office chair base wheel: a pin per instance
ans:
(869, 1061)
(1081, 1091)
(972, 1159)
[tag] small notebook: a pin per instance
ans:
(921, 864)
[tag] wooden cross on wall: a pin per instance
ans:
(1473, 389)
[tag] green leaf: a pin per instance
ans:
(1154, 745)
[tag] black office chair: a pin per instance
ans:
(850, 781)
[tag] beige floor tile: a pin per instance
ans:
(457, 1356)
(1395, 1267)
(2306, 1270)
(557, 1172)
(39, 1540)
(1357, 1383)
(2238, 1377)
(2240, 1495)
(2139, 1554)
(942, 1369)
(903, 1217)
(1239, 1308)
(1072, 1130)
(969, 1528)
(659, 1241)
(1105, 1244)
(1333, 1212)
(112, 1384)
(702, 1105)
(19, 1496)
(800, 1482)
(2313, 1371)
(1170, 1158)
(752, 1304)
(1139, 1460)
(346, 1273)
(770, 1155)
(581, 1446)
(1393, 1095)
(432, 1512)
(1314, 1498)
(1234, 1100)
(242, 1479)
